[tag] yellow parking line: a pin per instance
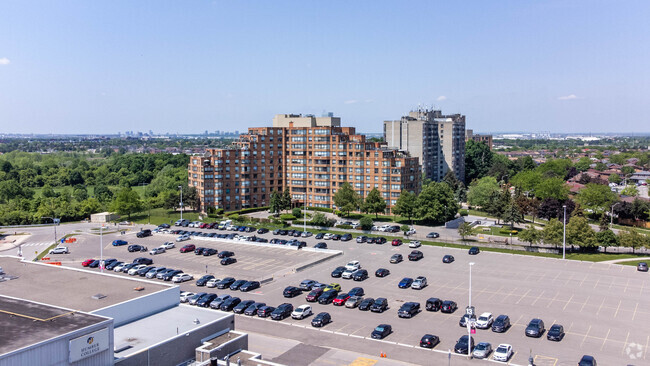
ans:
(625, 343)
(618, 307)
(362, 361)
(605, 340)
(634, 313)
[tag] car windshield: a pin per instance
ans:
(299, 310)
(502, 350)
(481, 346)
(483, 318)
(379, 329)
(555, 328)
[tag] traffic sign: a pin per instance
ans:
(470, 310)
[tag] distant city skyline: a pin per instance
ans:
(80, 67)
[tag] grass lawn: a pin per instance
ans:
(632, 263)
(638, 229)
(160, 216)
(491, 230)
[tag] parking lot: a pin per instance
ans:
(603, 307)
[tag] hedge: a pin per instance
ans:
(321, 209)
(287, 217)
(247, 210)
(463, 212)
(344, 226)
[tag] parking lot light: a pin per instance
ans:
(564, 235)
(469, 318)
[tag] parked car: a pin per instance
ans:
(142, 272)
(396, 242)
(535, 328)
(381, 331)
(429, 341)
(134, 270)
(433, 304)
(321, 319)
(237, 284)
(346, 237)
(338, 271)
(353, 265)
(188, 248)
(408, 309)
(448, 306)
(503, 352)
(154, 272)
(227, 261)
(182, 277)
(119, 242)
(396, 258)
(60, 250)
(319, 236)
(482, 350)
(463, 343)
(306, 285)
(136, 248)
(361, 239)
(382, 272)
(587, 360)
(642, 267)
(143, 233)
(340, 299)
(501, 324)
(555, 333)
(204, 280)
(242, 306)
(415, 244)
(262, 230)
(265, 311)
(249, 286)
(419, 283)
(301, 312)
(433, 235)
(157, 250)
(206, 300)
(185, 296)
(216, 303)
(405, 282)
(87, 262)
(230, 304)
(332, 287)
(183, 237)
(226, 283)
(353, 302)
(251, 310)
(416, 255)
(380, 305)
(320, 246)
(192, 300)
(226, 254)
(448, 259)
(327, 297)
(484, 321)
(209, 252)
(169, 245)
(291, 291)
(463, 320)
(347, 274)
(282, 311)
(366, 304)
(313, 295)
(111, 266)
(474, 251)
(360, 275)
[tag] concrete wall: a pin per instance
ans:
(179, 348)
(237, 343)
(141, 307)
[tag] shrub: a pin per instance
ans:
(366, 223)
(319, 219)
(338, 213)
(321, 209)
(287, 217)
(297, 212)
(344, 226)
(463, 212)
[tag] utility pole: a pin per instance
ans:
(181, 204)
(101, 248)
(564, 235)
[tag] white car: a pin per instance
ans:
(355, 225)
(60, 250)
(327, 236)
(135, 269)
(484, 321)
(158, 250)
(182, 277)
(169, 245)
(384, 228)
(503, 352)
(419, 283)
(183, 237)
(306, 234)
(411, 232)
(347, 274)
(415, 244)
(301, 312)
(232, 228)
(212, 283)
(185, 295)
(119, 267)
(195, 224)
(353, 265)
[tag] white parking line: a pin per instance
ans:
(568, 302)
(618, 307)
(605, 340)
(523, 296)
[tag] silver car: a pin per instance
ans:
(482, 350)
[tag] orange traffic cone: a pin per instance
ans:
(381, 354)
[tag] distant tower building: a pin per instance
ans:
(437, 139)
(470, 135)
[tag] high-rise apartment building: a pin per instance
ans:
(311, 156)
(437, 139)
(470, 135)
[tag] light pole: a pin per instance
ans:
(55, 221)
(101, 248)
(469, 316)
(304, 222)
(181, 204)
(564, 235)
(611, 216)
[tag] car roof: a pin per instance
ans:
(505, 345)
(502, 316)
(486, 314)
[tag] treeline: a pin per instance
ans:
(74, 185)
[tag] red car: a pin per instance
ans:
(188, 248)
(314, 294)
(87, 262)
(341, 299)
(204, 225)
(397, 242)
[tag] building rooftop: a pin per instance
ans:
(24, 323)
(71, 288)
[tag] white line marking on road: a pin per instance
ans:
(585, 303)
(618, 307)
(605, 340)
(325, 330)
(586, 335)
(634, 313)
(356, 336)
(339, 333)
(522, 296)
(601, 306)
(647, 341)
(405, 345)
(540, 295)
(625, 343)
(568, 301)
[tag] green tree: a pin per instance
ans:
(103, 194)
(579, 232)
(499, 203)
(405, 229)
(296, 211)
(552, 188)
(465, 230)
(478, 160)
(191, 199)
(630, 190)
(607, 238)
(286, 199)
(553, 232)
(481, 191)
(275, 203)
(406, 205)
(530, 235)
(513, 213)
(374, 203)
(319, 219)
(346, 198)
(366, 223)
(631, 238)
(127, 201)
(527, 181)
(596, 197)
(583, 164)
(436, 203)
(89, 206)
(451, 180)
(614, 178)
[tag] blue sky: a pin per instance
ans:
(189, 66)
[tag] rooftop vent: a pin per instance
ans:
(98, 296)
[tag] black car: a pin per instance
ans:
(205, 300)
(408, 310)
(356, 291)
(112, 265)
(143, 233)
(226, 254)
(125, 269)
(136, 248)
(474, 251)
(164, 226)
(235, 285)
(265, 311)
(230, 304)
(380, 240)
(225, 283)
(227, 261)
(535, 328)
(338, 271)
(321, 319)
(381, 331)
(382, 272)
(429, 341)
(416, 255)
(249, 286)
(239, 309)
(203, 280)
(199, 250)
(262, 230)
(462, 344)
(209, 251)
(251, 310)
(448, 306)
(143, 260)
(336, 237)
(587, 360)
(433, 304)
(501, 324)
(249, 229)
(463, 320)
(379, 306)
(169, 275)
(282, 311)
(346, 237)
(143, 271)
(291, 291)
(555, 333)
(95, 264)
(362, 239)
(448, 259)
(366, 304)
(327, 297)
(319, 236)
(360, 275)
(320, 246)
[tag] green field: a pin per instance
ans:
(633, 263)
(160, 216)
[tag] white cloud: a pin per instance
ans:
(441, 98)
(351, 101)
(568, 97)
(4, 61)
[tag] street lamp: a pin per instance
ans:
(101, 248)
(469, 317)
(564, 235)
(181, 204)
(55, 221)
(611, 216)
